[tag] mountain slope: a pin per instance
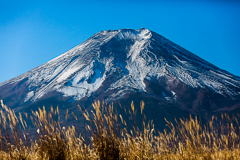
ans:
(124, 65)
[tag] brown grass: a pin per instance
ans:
(110, 137)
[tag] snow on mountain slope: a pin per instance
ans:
(126, 61)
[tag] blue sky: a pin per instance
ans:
(34, 32)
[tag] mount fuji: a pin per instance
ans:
(122, 66)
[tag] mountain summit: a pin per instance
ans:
(125, 65)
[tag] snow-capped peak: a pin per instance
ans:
(140, 34)
(125, 61)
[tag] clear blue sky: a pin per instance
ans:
(32, 33)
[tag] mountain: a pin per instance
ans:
(125, 65)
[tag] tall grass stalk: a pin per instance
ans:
(108, 136)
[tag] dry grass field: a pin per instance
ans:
(111, 139)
